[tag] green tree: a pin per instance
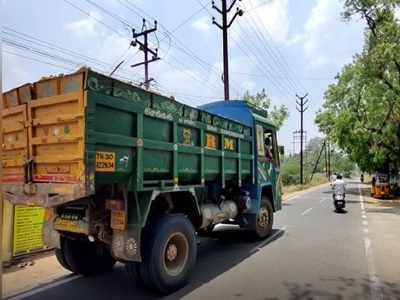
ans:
(277, 114)
(361, 110)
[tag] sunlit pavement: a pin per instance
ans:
(314, 253)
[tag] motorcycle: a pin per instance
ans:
(339, 202)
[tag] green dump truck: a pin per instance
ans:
(129, 175)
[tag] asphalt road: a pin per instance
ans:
(314, 253)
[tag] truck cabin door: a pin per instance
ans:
(268, 163)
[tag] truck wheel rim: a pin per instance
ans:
(176, 253)
(263, 218)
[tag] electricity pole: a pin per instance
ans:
(326, 160)
(317, 162)
(224, 11)
(329, 160)
(301, 109)
(144, 47)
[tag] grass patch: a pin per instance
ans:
(317, 180)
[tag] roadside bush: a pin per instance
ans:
(290, 172)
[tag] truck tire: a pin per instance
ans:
(86, 258)
(60, 256)
(169, 255)
(264, 220)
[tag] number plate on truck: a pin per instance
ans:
(105, 161)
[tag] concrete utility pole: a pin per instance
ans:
(144, 46)
(301, 109)
(329, 160)
(326, 160)
(317, 162)
(224, 11)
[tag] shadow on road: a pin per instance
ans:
(224, 250)
(341, 212)
(385, 210)
(345, 288)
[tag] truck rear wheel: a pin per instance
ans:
(264, 220)
(60, 256)
(82, 257)
(169, 254)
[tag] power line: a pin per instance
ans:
(255, 58)
(47, 53)
(259, 63)
(55, 57)
(110, 14)
(91, 16)
(281, 56)
(260, 36)
(28, 38)
(187, 20)
(38, 60)
(178, 43)
(119, 18)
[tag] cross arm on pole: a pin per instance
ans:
(217, 24)
(143, 47)
(216, 8)
(239, 12)
(231, 6)
(143, 63)
(148, 31)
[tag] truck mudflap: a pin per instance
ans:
(126, 243)
(44, 194)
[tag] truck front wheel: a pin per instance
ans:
(169, 254)
(264, 220)
(82, 257)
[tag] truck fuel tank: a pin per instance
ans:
(213, 213)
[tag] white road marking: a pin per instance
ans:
(259, 246)
(306, 211)
(362, 202)
(363, 216)
(374, 282)
(291, 198)
(44, 288)
(322, 200)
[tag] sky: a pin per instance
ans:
(288, 47)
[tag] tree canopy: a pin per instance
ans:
(361, 112)
(277, 114)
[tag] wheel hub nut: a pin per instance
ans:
(172, 252)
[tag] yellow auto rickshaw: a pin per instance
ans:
(380, 186)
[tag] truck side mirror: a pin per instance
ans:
(282, 150)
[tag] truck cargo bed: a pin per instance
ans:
(77, 132)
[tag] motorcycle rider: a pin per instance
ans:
(339, 186)
(362, 178)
